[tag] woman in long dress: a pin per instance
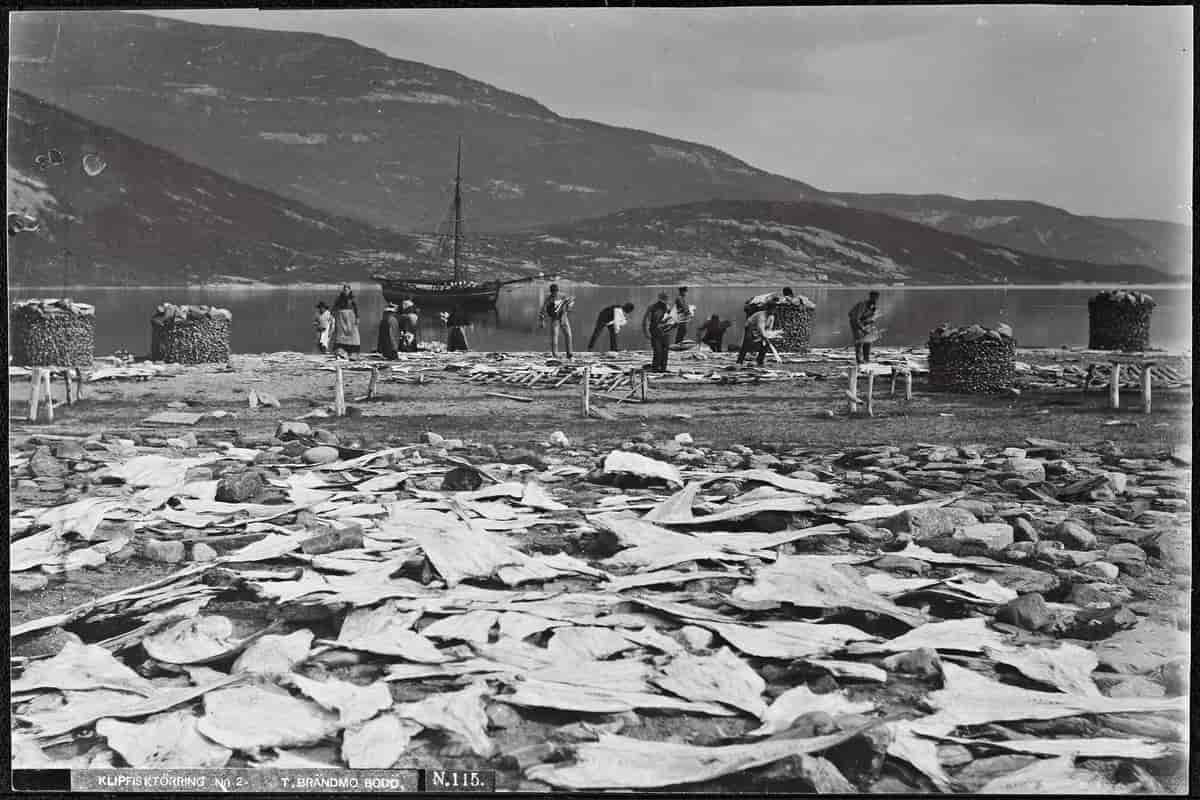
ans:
(345, 322)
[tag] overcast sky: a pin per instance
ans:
(1087, 108)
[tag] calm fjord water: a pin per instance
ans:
(268, 319)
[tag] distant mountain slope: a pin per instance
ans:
(754, 241)
(1040, 229)
(1171, 241)
(150, 216)
(347, 129)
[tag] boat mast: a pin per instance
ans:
(458, 210)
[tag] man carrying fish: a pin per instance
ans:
(614, 318)
(864, 328)
(557, 307)
(658, 324)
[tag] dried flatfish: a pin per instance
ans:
(84, 708)
(620, 762)
(192, 641)
(249, 718)
(592, 699)
(802, 700)
(970, 635)
(1067, 667)
(353, 703)
(270, 547)
(1096, 747)
(667, 576)
(520, 625)
(587, 643)
(378, 743)
(474, 626)
(811, 583)
(163, 741)
(81, 667)
(460, 713)
(1052, 776)
(274, 654)
(720, 678)
(786, 639)
(972, 699)
(384, 631)
(619, 462)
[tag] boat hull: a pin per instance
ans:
(433, 295)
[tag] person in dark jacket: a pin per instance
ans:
(683, 312)
(658, 324)
(864, 327)
(408, 319)
(712, 333)
(759, 328)
(389, 332)
(457, 322)
(609, 318)
(557, 308)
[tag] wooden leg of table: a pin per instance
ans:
(35, 392)
(66, 376)
(1114, 387)
(870, 394)
(908, 385)
(852, 388)
(586, 392)
(374, 381)
(49, 396)
(79, 383)
(339, 394)
(1147, 378)
(894, 376)
(643, 382)
(1087, 380)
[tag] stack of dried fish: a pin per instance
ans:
(1119, 320)
(52, 333)
(190, 334)
(793, 316)
(974, 359)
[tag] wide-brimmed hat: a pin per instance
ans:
(405, 304)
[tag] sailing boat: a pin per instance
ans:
(447, 294)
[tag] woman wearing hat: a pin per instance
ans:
(345, 322)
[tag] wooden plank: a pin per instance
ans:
(908, 385)
(1114, 386)
(173, 418)
(509, 396)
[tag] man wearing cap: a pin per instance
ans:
(658, 323)
(863, 327)
(557, 308)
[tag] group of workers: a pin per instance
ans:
(664, 323)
